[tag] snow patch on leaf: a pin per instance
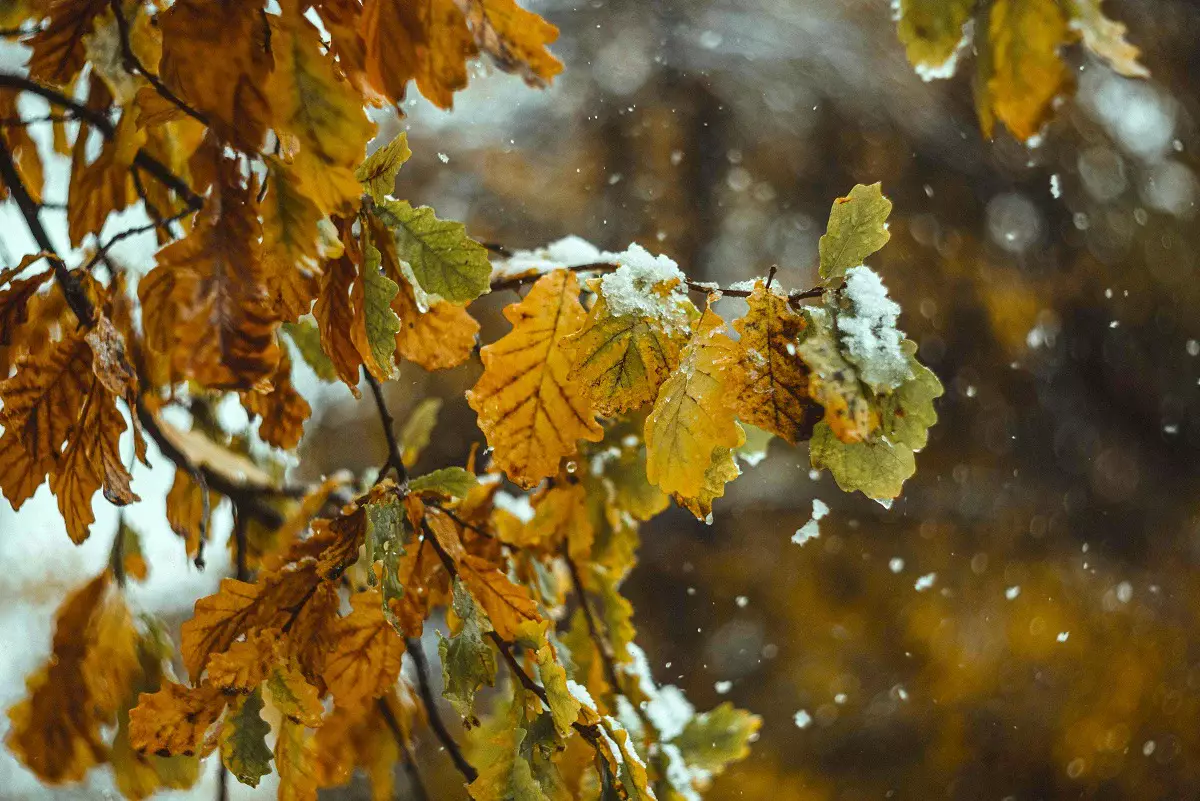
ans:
(868, 331)
(643, 284)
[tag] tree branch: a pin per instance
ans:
(794, 297)
(141, 229)
(425, 689)
(105, 126)
(395, 457)
(410, 759)
(134, 64)
(77, 299)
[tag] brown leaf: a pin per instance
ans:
(58, 49)
(774, 392)
(336, 319)
(216, 56)
(438, 339)
(15, 306)
(205, 305)
(174, 720)
(283, 410)
(185, 511)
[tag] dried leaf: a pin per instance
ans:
(365, 664)
(378, 173)
(283, 410)
(515, 38)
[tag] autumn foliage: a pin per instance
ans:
(619, 388)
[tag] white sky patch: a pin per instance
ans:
(803, 719)
(811, 530)
(517, 505)
(868, 331)
(925, 582)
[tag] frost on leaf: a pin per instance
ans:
(867, 328)
(834, 381)
(932, 31)
(621, 359)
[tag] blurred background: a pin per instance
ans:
(1022, 624)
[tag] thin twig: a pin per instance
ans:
(395, 457)
(141, 229)
(410, 759)
(116, 557)
(76, 298)
(8, 33)
(101, 123)
(425, 689)
(134, 64)
(794, 297)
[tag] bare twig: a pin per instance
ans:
(794, 297)
(116, 556)
(425, 689)
(76, 298)
(134, 64)
(102, 253)
(395, 457)
(107, 129)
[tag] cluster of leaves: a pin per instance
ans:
(1019, 68)
(242, 133)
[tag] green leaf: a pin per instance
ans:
(908, 413)
(857, 228)
(388, 532)
(444, 260)
(307, 339)
(468, 662)
(378, 173)
(452, 482)
(931, 31)
(381, 322)
(714, 739)
(509, 777)
(564, 707)
(243, 740)
(875, 468)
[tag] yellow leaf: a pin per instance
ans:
(320, 109)
(773, 381)
(932, 32)
(185, 511)
(1024, 37)
(365, 663)
(103, 187)
(294, 697)
(1105, 38)
(437, 339)
(378, 173)
(722, 468)
(428, 41)
(834, 382)
(692, 416)
(620, 361)
(289, 220)
(529, 408)
(295, 763)
(515, 38)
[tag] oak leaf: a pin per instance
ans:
(376, 324)
(365, 663)
(515, 38)
(336, 319)
(186, 511)
(932, 33)
(378, 173)
(620, 360)
(834, 382)
(468, 662)
(857, 228)
(1105, 38)
(217, 57)
(283, 410)
(293, 696)
(57, 48)
(692, 416)
(444, 261)
(441, 337)
(243, 740)
(774, 393)
(295, 763)
(529, 408)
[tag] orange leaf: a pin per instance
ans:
(515, 38)
(774, 391)
(174, 720)
(438, 339)
(530, 410)
(336, 319)
(283, 410)
(58, 49)
(1026, 71)
(185, 510)
(365, 663)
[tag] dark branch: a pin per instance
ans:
(794, 297)
(395, 457)
(77, 299)
(141, 229)
(425, 690)
(133, 64)
(105, 126)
